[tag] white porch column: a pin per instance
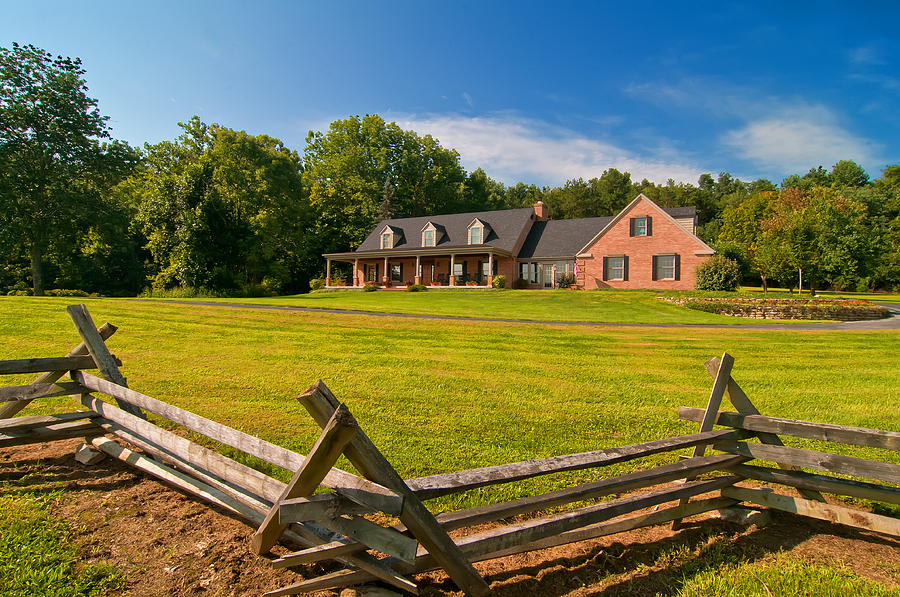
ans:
(327, 271)
(418, 270)
(355, 273)
(385, 278)
(452, 267)
(490, 276)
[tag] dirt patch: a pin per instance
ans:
(171, 544)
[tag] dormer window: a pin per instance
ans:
(478, 230)
(431, 234)
(391, 237)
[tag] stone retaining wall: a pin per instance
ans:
(831, 309)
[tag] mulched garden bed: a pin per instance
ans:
(780, 308)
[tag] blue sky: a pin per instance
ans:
(531, 91)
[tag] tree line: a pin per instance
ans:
(221, 211)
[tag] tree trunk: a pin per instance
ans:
(800, 286)
(36, 275)
(765, 284)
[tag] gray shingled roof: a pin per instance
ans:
(564, 238)
(681, 212)
(552, 238)
(506, 227)
(560, 238)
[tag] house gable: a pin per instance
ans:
(642, 247)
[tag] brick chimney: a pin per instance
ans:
(540, 210)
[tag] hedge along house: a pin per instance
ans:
(470, 249)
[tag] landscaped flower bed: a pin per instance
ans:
(778, 308)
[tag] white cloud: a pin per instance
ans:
(865, 55)
(781, 134)
(512, 149)
(795, 139)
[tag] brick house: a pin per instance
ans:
(644, 246)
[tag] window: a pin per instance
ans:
(428, 238)
(529, 272)
(387, 240)
(372, 272)
(642, 226)
(475, 234)
(615, 268)
(396, 272)
(459, 272)
(665, 267)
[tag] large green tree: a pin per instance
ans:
(347, 166)
(742, 224)
(54, 167)
(222, 210)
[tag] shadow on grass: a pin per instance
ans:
(662, 566)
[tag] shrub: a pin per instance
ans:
(520, 284)
(317, 284)
(718, 273)
(566, 281)
(370, 287)
(499, 282)
(65, 292)
(416, 288)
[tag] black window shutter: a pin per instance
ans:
(649, 226)
(625, 268)
(653, 269)
(631, 227)
(605, 269)
(401, 272)
(677, 266)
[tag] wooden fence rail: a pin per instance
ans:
(334, 526)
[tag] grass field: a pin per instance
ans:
(607, 306)
(442, 395)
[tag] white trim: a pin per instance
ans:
(584, 256)
(627, 208)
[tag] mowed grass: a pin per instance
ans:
(607, 306)
(39, 555)
(785, 576)
(437, 396)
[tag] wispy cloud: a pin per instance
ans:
(780, 134)
(512, 149)
(865, 56)
(798, 138)
(467, 98)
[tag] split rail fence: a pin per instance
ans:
(334, 525)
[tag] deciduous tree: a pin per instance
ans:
(53, 166)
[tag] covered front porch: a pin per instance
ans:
(454, 270)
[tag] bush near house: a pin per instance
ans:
(718, 274)
(416, 288)
(499, 282)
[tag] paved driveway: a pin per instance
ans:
(891, 323)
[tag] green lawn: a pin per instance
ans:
(606, 306)
(39, 556)
(443, 395)
(437, 396)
